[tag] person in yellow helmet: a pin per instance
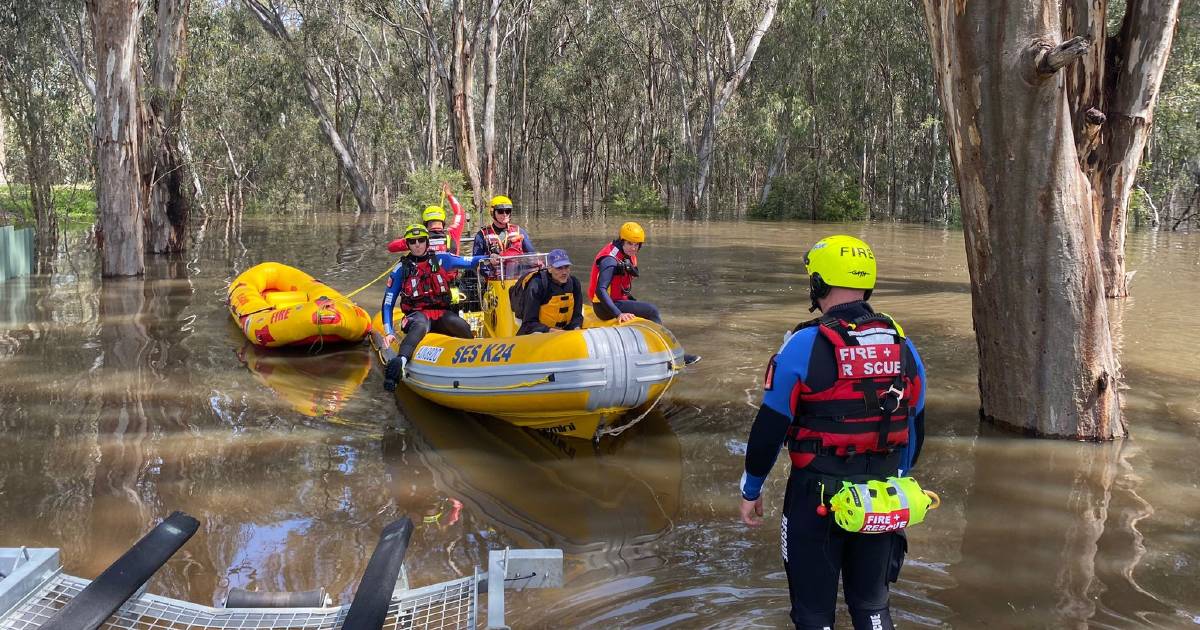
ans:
(846, 394)
(502, 236)
(442, 237)
(611, 285)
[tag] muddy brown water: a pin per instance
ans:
(125, 400)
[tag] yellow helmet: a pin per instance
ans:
(840, 261)
(632, 233)
(416, 231)
(433, 213)
(500, 201)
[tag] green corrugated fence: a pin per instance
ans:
(16, 252)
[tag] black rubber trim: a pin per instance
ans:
(369, 609)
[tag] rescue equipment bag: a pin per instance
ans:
(876, 507)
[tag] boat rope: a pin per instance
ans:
(675, 369)
(545, 379)
(377, 278)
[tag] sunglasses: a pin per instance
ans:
(414, 241)
(502, 210)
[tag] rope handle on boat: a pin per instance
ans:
(549, 378)
(615, 431)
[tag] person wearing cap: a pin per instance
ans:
(502, 237)
(610, 288)
(553, 299)
(846, 394)
(420, 284)
(442, 237)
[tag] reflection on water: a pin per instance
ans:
(126, 401)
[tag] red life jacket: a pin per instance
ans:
(510, 244)
(426, 287)
(866, 410)
(622, 281)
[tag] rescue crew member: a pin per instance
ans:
(613, 269)
(846, 392)
(442, 237)
(421, 285)
(553, 298)
(502, 237)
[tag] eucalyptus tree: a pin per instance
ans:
(1045, 130)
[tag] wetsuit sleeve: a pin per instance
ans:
(577, 312)
(395, 281)
(457, 223)
(916, 422)
(398, 245)
(450, 262)
(526, 243)
(787, 369)
(604, 280)
(479, 245)
(534, 296)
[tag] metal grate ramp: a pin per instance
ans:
(444, 605)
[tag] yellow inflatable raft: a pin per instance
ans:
(277, 305)
(579, 383)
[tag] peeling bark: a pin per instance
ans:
(1032, 249)
(166, 170)
(118, 168)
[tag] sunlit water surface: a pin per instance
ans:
(125, 400)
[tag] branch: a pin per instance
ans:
(1050, 60)
(75, 60)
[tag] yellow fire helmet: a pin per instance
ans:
(842, 261)
(632, 233)
(433, 213)
(500, 201)
(416, 231)
(876, 507)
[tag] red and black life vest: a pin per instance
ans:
(621, 286)
(439, 241)
(866, 409)
(508, 244)
(426, 287)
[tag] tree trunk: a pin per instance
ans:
(462, 113)
(491, 53)
(169, 203)
(708, 136)
(347, 160)
(118, 173)
(1046, 360)
(1131, 92)
(432, 153)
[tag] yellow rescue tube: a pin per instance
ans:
(578, 383)
(277, 305)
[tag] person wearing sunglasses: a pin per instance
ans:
(443, 237)
(502, 237)
(613, 269)
(420, 284)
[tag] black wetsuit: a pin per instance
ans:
(816, 551)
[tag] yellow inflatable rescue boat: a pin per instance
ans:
(578, 383)
(277, 305)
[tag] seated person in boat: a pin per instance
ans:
(553, 298)
(442, 237)
(502, 237)
(613, 270)
(421, 285)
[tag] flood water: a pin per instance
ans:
(124, 401)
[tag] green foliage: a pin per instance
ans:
(423, 187)
(791, 198)
(631, 196)
(70, 202)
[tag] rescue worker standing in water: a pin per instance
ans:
(846, 392)
(611, 286)
(421, 285)
(553, 299)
